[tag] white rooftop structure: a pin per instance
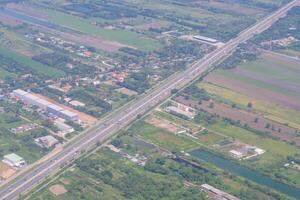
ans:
(14, 160)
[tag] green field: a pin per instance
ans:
(162, 137)
(119, 35)
(36, 66)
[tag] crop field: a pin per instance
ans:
(36, 66)
(271, 78)
(269, 110)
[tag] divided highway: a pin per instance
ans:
(110, 127)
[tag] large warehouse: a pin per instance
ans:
(31, 99)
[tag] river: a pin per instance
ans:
(245, 172)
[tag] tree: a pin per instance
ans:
(249, 105)
(174, 91)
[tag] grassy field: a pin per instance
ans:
(269, 110)
(162, 137)
(122, 36)
(36, 66)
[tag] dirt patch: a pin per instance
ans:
(10, 21)
(126, 91)
(252, 120)
(154, 24)
(254, 91)
(87, 119)
(231, 7)
(163, 124)
(58, 190)
(6, 171)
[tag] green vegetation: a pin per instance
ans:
(162, 137)
(108, 176)
(25, 61)
(4, 73)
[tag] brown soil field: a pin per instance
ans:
(251, 90)
(126, 91)
(27, 10)
(87, 119)
(6, 20)
(163, 124)
(6, 171)
(57, 190)
(224, 111)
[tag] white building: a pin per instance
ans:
(14, 160)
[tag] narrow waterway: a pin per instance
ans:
(245, 172)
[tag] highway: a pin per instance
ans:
(110, 127)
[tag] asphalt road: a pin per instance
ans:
(112, 126)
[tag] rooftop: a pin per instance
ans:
(13, 158)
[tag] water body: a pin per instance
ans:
(245, 172)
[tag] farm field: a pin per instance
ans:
(273, 75)
(269, 110)
(271, 84)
